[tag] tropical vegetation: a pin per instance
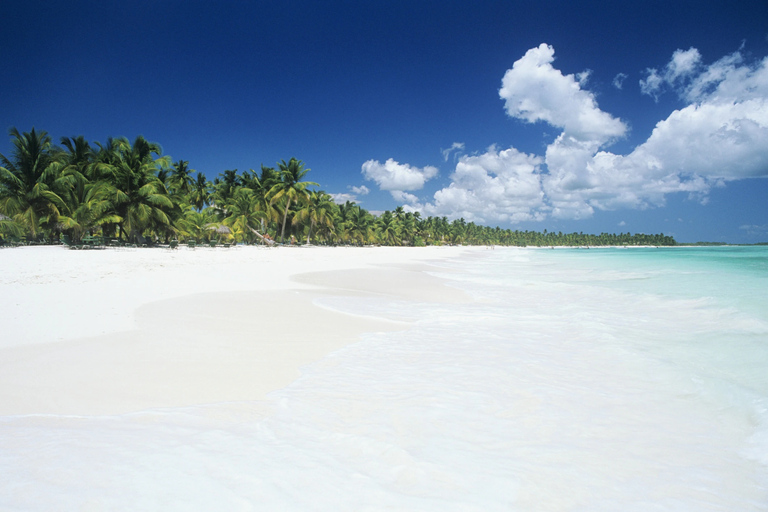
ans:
(130, 193)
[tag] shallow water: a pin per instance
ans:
(579, 380)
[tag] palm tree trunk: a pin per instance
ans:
(285, 216)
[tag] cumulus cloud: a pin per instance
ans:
(722, 135)
(683, 65)
(361, 190)
(496, 186)
(728, 79)
(392, 175)
(404, 197)
(719, 135)
(343, 197)
(533, 90)
(652, 83)
(351, 196)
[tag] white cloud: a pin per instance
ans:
(713, 139)
(392, 175)
(534, 91)
(684, 63)
(342, 198)
(404, 197)
(458, 147)
(618, 80)
(583, 77)
(721, 134)
(729, 79)
(652, 83)
(497, 186)
(682, 66)
(361, 190)
(755, 229)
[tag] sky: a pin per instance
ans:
(641, 117)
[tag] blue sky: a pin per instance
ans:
(567, 116)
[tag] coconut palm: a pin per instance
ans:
(196, 225)
(317, 211)
(224, 187)
(243, 213)
(360, 225)
(26, 182)
(290, 188)
(407, 226)
(92, 210)
(180, 179)
(458, 231)
(387, 229)
(88, 201)
(201, 192)
(138, 197)
(261, 185)
(8, 227)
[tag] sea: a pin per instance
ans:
(601, 379)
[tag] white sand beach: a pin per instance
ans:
(442, 379)
(116, 331)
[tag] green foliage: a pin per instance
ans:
(132, 191)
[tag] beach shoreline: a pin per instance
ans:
(429, 379)
(113, 331)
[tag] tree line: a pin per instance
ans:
(131, 192)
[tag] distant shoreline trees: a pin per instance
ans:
(130, 192)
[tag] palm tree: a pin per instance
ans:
(261, 186)
(201, 192)
(360, 224)
(138, 197)
(243, 213)
(318, 210)
(9, 227)
(408, 227)
(290, 188)
(224, 187)
(92, 210)
(458, 231)
(87, 201)
(196, 225)
(387, 229)
(180, 180)
(26, 181)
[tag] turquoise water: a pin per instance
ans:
(728, 284)
(574, 380)
(735, 276)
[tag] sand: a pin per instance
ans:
(107, 332)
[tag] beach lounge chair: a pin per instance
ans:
(92, 241)
(69, 243)
(173, 244)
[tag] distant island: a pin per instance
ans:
(121, 192)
